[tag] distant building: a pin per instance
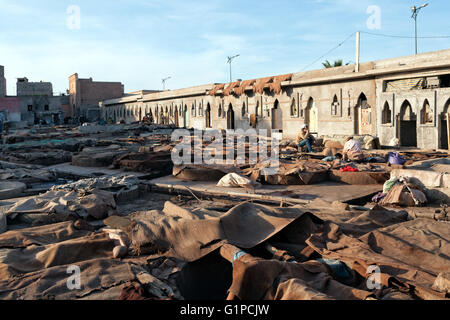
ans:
(34, 103)
(85, 95)
(38, 104)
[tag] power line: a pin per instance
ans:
(403, 37)
(328, 52)
(374, 34)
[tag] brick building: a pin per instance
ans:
(85, 95)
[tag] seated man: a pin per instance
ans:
(352, 150)
(305, 138)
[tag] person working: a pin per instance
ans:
(352, 150)
(304, 138)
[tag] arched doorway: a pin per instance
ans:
(408, 125)
(186, 116)
(177, 124)
(230, 117)
(312, 116)
(208, 116)
(277, 116)
(150, 115)
(166, 116)
(363, 116)
(445, 121)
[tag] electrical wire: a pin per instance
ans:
(328, 52)
(373, 34)
(403, 37)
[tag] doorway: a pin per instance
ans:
(311, 116)
(277, 116)
(363, 116)
(177, 121)
(186, 116)
(408, 126)
(444, 126)
(230, 118)
(208, 116)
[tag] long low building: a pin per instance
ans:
(406, 98)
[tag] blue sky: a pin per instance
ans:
(139, 42)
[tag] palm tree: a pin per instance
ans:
(337, 63)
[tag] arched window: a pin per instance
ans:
(171, 111)
(193, 110)
(426, 114)
(406, 112)
(386, 116)
(258, 109)
(335, 106)
(244, 110)
(275, 106)
(294, 108)
(220, 111)
(200, 110)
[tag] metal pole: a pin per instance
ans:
(231, 78)
(415, 23)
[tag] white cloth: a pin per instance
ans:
(234, 180)
(352, 145)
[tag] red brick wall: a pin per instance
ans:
(10, 103)
(93, 92)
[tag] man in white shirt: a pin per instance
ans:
(352, 150)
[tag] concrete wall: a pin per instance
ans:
(336, 96)
(428, 134)
(25, 88)
(2, 82)
(341, 123)
(38, 109)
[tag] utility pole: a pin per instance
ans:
(164, 82)
(415, 11)
(357, 53)
(230, 60)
